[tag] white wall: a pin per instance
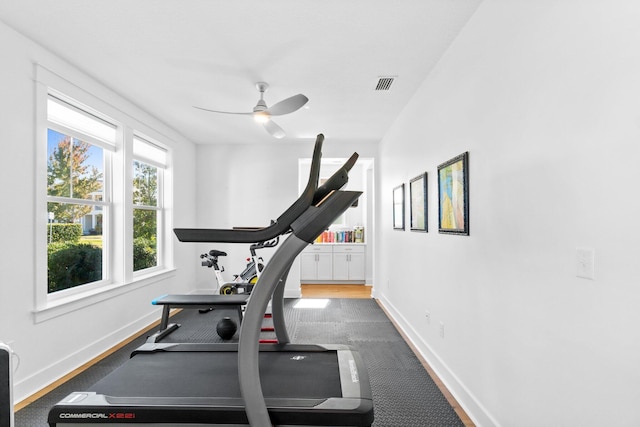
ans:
(249, 185)
(545, 96)
(51, 348)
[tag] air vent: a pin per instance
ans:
(384, 83)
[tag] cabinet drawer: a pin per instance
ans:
(346, 248)
(311, 249)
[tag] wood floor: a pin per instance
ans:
(335, 291)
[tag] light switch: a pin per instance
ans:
(585, 261)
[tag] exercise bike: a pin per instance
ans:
(244, 282)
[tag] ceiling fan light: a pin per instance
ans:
(261, 116)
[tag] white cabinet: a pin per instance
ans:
(316, 263)
(348, 262)
(341, 262)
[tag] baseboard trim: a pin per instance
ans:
(467, 401)
(30, 389)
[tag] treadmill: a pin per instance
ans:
(246, 383)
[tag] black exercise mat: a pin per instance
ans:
(404, 394)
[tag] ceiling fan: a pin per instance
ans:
(262, 114)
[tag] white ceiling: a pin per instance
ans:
(167, 56)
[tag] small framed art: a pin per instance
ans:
(453, 196)
(398, 207)
(418, 203)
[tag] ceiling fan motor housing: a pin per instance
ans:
(260, 106)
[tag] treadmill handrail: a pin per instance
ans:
(336, 181)
(276, 228)
(311, 194)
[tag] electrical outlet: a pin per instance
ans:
(441, 330)
(427, 316)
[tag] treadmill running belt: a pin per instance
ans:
(280, 373)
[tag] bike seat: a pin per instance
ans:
(215, 252)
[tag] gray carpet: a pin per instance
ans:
(404, 394)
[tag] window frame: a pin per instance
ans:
(118, 276)
(106, 202)
(160, 208)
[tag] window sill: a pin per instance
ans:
(53, 309)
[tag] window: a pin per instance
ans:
(148, 165)
(103, 185)
(79, 147)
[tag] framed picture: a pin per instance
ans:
(398, 207)
(418, 203)
(453, 196)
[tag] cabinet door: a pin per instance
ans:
(356, 266)
(341, 266)
(308, 266)
(324, 266)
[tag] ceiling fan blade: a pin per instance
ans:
(288, 105)
(275, 130)
(222, 112)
